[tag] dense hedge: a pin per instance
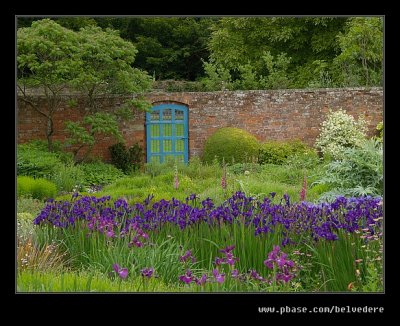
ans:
(232, 145)
(35, 188)
(277, 152)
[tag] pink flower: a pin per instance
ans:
(303, 191)
(176, 182)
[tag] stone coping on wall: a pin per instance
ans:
(68, 93)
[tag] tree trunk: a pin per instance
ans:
(49, 133)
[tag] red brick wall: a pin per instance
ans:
(272, 114)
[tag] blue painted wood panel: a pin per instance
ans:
(167, 133)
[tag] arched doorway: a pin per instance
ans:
(167, 133)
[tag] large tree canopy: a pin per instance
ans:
(93, 61)
(251, 52)
(170, 48)
(293, 52)
(361, 56)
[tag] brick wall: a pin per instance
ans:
(272, 114)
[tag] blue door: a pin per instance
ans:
(167, 133)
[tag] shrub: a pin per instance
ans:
(232, 145)
(98, 173)
(277, 152)
(37, 188)
(36, 162)
(68, 177)
(303, 160)
(127, 160)
(338, 132)
(360, 172)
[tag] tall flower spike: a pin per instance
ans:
(176, 180)
(303, 191)
(223, 178)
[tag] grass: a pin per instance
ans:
(84, 281)
(205, 181)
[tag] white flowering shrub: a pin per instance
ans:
(340, 131)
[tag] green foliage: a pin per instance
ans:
(29, 205)
(338, 132)
(379, 129)
(127, 160)
(98, 173)
(90, 281)
(93, 61)
(25, 226)
(68, 177)
(168, 47)
(307, 159)
(232, 145)
(47, 59)
(96, 126)
(361, 56)
(47, 54)
(35, 161)
(36, 188)
(278, 52)
(241, 168)
(170, 85)
(217, 77)
(277, 71)
(107, 60)
(359, 172)
(220, 78)
(277, 152)
(320, 74)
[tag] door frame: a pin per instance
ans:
(185, 137)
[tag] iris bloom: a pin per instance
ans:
(220, 278)
(121, 272)
(147, 272)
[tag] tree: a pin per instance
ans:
(361, 54)
(48, 58)
(107, 60)
(95, 62)
(293, 43)
(168, 47)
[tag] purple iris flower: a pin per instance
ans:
(220, 278)
(110, 233)
(122, 272)
(147, 272)
(202, 280)
(235, 273)
(188, 255)
(228, 249)
(187, 277)
(254, 275)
